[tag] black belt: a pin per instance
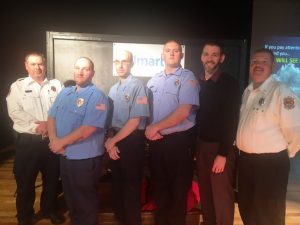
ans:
(31, 136)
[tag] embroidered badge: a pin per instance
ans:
(53, 88)
(193, 83)
(141, 100)
(79, 102)
(101, 107)
(177, 82)
(126, 97)
(261, 101)
(289, 102)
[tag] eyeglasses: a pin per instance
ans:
(123, 62)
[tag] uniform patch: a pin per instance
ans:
(53, 88)
(193, 83)
(79, 102)
(126, 97)
(142, 100)
(177, 82)
(261, 101)
(101, 107)
(289, 102)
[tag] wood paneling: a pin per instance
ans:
(106, 217)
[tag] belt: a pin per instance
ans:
(32, 136)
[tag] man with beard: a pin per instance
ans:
(217, 120)
(268, 134)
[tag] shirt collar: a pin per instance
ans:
(29, 80)
(264, 87)
(126, 81)
(215, 77)
(176, 72)
(83, 89)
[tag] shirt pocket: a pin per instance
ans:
(172, 96)
(51, 96)
(30, 101)
(74, 114)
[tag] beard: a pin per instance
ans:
(211, 67)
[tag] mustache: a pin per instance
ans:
(209, 62)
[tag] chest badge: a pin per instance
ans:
(126, 97)
(177, 82)
(79, 102)
(289, 102)
(261, 101)
(53, 88)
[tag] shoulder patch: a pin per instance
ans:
(142, 100)
(193, 83)
(101, 107)
(289, 102)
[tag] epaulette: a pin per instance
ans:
(20, 79)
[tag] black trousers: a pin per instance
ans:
(80, 179)
(127, 175)
(216, 190)
(33, 156)
(262, 187)
(171, 167)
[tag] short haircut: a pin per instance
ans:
(173, 40)
(89, 60)
(265, 50)
(219, 44)
(35, 54)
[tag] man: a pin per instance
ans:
(28, 103)
(217, 120)
(175, 100)
(76, 130)
(268, 133)
(126, 146)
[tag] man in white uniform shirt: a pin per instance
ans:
(268, 134)
(28, 103)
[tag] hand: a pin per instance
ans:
(157, 137)
(152, 132)
(41, 128)
(110, 143)
(114, 153)
(219, 164)
(56, 146)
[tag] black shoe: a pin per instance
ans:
(55, 218)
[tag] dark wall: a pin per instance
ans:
(282, 19)
(23, 28)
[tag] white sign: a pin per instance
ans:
(146, 57)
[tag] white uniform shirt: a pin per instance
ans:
(269, 119)
(29, 102)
